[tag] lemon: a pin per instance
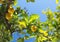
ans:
(9, 16)
(11, 10)
(33, 28)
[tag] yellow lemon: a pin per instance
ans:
(33, 28)
(11, 10)
(9, 16)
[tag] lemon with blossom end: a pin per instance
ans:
(33, 28)
(9, 16)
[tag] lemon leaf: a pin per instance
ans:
(15, 2)
(57, 1)
(44, 38)
(30, 0)
(33, 17)
(22, 24)
(41, 31)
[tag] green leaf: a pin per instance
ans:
(26, 19)
(54, 39)
(33, 17)
(58, 7)
(15, 2)
(20, 40)
(57, 1)
(30, 0)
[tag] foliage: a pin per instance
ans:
(12, 20)
(30, 0)
(57, 1)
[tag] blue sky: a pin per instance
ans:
(35, 8)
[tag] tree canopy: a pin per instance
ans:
(12, 20)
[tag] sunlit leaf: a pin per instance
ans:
(57, 1)
(30, 0)
(22, 24)
(33, 17)
(54, 39)
(44, 32)
(15, 2)
(20, 40)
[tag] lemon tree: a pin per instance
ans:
(12, 20)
